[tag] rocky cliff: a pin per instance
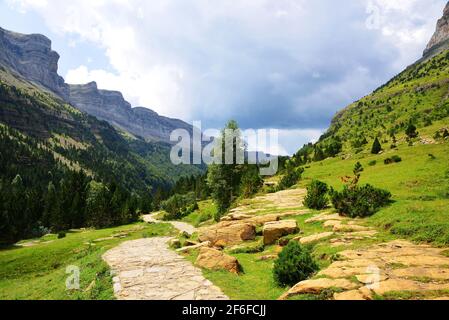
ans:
(440, 39)
(31, 57)
(113, 108)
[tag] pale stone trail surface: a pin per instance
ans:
(379, 269)
(181, 226)
(147, 269)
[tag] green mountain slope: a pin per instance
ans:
(48, 147)
(419, 95)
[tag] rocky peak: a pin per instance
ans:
(31, 57)
(440, 39)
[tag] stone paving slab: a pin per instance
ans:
(146, 269)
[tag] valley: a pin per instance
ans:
(87, 185)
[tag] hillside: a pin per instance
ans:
(418, 96)
(47, 142)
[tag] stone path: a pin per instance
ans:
(181, 226)
(146, 269)
(392, 269)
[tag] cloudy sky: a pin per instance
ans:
(285, 64)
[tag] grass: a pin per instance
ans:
(256, 283)
(419, 184)
(207, 209)
(39, 272)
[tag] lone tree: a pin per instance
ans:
(411, 131)
(377, 147)
(224, 179)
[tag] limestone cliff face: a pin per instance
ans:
(113, 108)
(31, 57)
(440, 39)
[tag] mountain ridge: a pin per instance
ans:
(31, 57)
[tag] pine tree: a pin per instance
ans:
(411, 131)
(319, 154)
(377, 147)
(224, 179)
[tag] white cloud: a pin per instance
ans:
(284, 63)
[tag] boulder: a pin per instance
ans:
(228, 233)
(213, 259)
(273, 231)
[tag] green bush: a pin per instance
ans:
(359, 201)
(295, 264)
(393, 159)
(251, 182)
(317, 195)
(179, 206)
(372, 163)
(291, 178)
(61, 235)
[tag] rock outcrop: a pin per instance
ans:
(273, 231)
(113, 108)
(213, 259)
(440, 39)
(31, 57)
(228, 233)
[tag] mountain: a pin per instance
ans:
(31, 58)
(418, 95)
(440, 39)
(62, 168)
(112, 107)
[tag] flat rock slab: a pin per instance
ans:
(392, 267)
(315, 238)
(147, 269)
(319, 285)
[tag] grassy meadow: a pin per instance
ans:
(37, 271)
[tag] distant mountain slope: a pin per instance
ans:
(80, 141)
(112, 107)
(31, 58)
(419, 95)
